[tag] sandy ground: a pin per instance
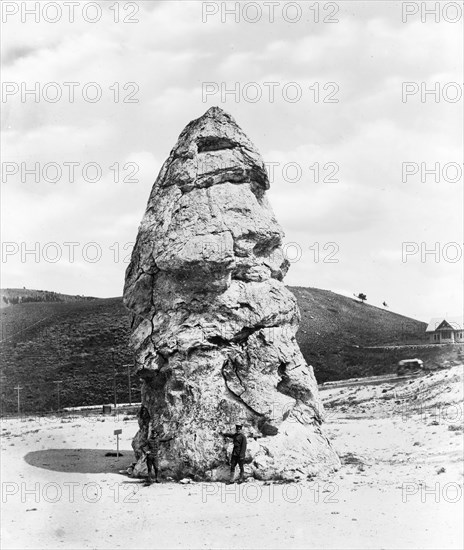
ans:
(400, 486)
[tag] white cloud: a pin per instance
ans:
(369, 133)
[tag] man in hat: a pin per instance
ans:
(238, 452)
(151, 450)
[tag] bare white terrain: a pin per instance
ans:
(400, 485)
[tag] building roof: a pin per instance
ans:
(455, 322)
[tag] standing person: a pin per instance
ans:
(151, 450)
(140, 439)
(238, 453)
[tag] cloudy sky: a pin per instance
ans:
(333, 94)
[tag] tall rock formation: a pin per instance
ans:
(213, 325)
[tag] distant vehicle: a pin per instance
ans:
(409, 366)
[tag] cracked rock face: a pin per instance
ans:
(213, 325)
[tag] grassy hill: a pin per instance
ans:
(72, 342)
(75, 342)
(335, 330)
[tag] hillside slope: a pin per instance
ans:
(72, 342)
(334, 328)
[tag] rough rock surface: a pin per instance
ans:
(213, 325)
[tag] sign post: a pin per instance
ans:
(117, 433)
(19, 388)
(129, 365)
(114, 379)
(58, 382)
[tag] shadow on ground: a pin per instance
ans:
(82, 461)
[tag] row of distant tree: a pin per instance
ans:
(42, 296)
(45, 296)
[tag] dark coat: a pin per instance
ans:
(151, 446)
(240, 444)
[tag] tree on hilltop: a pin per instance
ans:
(361, 296)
